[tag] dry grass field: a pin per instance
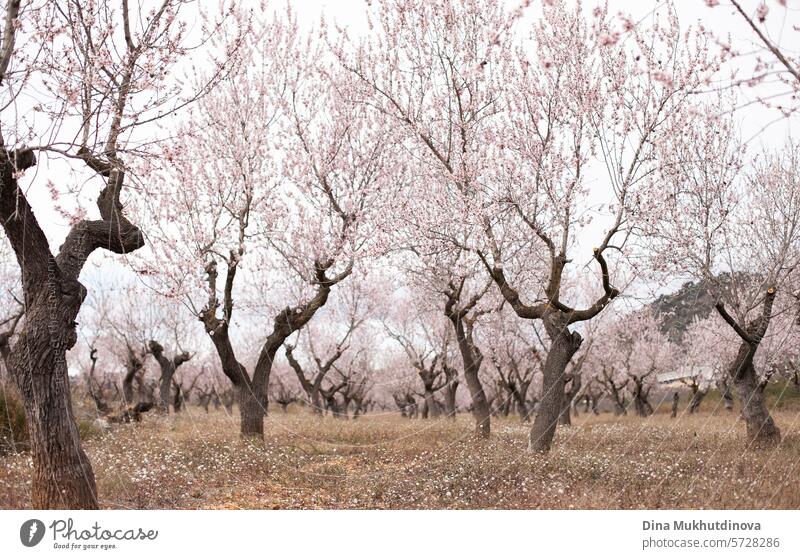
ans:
(380, 461)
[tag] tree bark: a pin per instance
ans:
(480, 406)
(698, 395)
(472, 358)
(522, 405)
(640, 395)
(450, 390)
(168, 367)
(565, 418)
(761, 428)
(251, 410)
(430, 404)
(165, 388)
(725, 392)
(63, 476)
(575, 381)
(563, 346)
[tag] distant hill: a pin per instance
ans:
(694, 300)
(677, 310)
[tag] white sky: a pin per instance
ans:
(351, 14)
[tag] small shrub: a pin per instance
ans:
(89, 429)
(13, 430)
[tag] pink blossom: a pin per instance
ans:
(608, 39)
(762, 11)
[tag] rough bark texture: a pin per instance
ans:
(450, 390)
(168, 367)
(761, 428)
(63, 477)
(563, 346)
(252, 391)
(251, 409)
(472, 358)
(575, 383)
(557, 317)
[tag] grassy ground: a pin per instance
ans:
(383, 461)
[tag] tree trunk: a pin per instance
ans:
(569, 395)
(565, 418)
(697, 397)
(472, 359)
(480, 407)
(316, 404)
(251, 409)
(127, 388)
(340, 411)
(522, 407)
(165, 390)
(761, 429)
(62, 475)
(563, 346)
(450, 401)
(430, 404)
(177, 402)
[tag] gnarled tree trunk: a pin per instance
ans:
(575, 383)
(251, 411)
(472, 358)
(62, 475)
(450, 390)
(168, 367)
(761, 428)
(563, 346)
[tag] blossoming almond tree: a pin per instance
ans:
(722, 216)
(281, 175)
(426, 338)
(423, 68)
(517, 355)
(327, 341)
(586, 104)
(767, 65)
(104, 67)
(504, 140)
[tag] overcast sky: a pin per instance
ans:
(351, 14)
